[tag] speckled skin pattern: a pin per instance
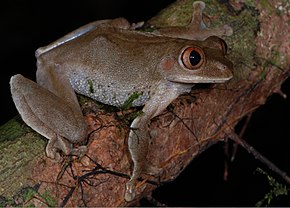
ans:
(105, 54)
(109, 82)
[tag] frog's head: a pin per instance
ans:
(199, 62)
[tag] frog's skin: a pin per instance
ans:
(108, 61)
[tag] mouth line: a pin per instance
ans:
(200, 80)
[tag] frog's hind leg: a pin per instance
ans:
(48, 115)
(121, 23)
(196, 29)
(197, 24)
(70, 36)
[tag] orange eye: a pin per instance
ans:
(192, 57)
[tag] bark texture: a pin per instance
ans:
(260, 51)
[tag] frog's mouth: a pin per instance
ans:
(200, 79)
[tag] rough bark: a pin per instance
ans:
(259, 49)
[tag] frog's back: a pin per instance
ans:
(110, 64)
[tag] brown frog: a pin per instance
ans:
(109, 61)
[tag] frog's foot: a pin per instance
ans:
(53, 154)
(79, 151)
(137, 25)
(58, 143)
(152, 170)
(131, 188)
(122, 23)
(196, 29)
(197, 24)
(51, 151)
(130, 191)
(227, 30)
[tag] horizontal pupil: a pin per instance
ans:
(194, 58)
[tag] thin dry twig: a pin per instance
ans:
(241, 135)
(259, 156)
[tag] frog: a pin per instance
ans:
(109, 61)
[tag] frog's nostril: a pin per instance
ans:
(222, 67)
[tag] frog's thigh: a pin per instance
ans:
(118, 23)
(19, 88)
(56, 81)
(70, 36)
(22, 92)
(64, 108)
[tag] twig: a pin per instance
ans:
(98, 169)
(235, 146)
(259, 156)
(226, 159)
(241, 135)
(186, 126)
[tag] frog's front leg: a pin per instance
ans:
(139, 135)
(51, 109)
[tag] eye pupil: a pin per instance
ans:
(194, 58)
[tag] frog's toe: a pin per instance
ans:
(199, 4)
(53, 154)
(130, 191)
(131, 188)
(153, 170)
(79, 151)
(228, 31)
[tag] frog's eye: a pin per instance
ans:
(216, 42)
(223, 46)
(192, 57)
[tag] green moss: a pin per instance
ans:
(129, 102)
(50, 201)
(13, 129)
(265, 4)
(91, 86)
(29, 194)
(83, 99)
(177, 14)
(130, 117)
(46, 197)
(278, 189)
(21, 198)
(277, 59)
(270, 8)
(242, 44)
(4, 202)
(16, 159)
(250, 3)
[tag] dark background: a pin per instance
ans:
(27, 25)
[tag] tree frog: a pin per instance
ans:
(108, 61)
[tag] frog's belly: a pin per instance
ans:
(109, 92)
